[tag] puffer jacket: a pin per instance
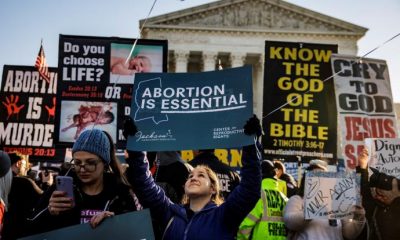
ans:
(212, 222)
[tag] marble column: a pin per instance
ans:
(258, 87)
(181, 60)
(209, 61)
(237, 59)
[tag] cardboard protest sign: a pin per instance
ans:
(175, 111)
(299, 114)
(95, 85)
(364, 102)
(133, 225)
(384, 155)
(330, 195)
(27, 113)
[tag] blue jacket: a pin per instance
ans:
(212, 222)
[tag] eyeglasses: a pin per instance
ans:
(89, 166)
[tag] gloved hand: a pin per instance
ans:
(253, 126)
(129, 127)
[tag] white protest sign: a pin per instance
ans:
(364, 104)
(330, 195)
(384, 155)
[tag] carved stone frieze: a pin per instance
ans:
(256, 14)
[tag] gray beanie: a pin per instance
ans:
(94, 141)
(5, 163)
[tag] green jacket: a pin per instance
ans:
(265, 221)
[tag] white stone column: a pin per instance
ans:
(181, 60)
(209, 61)
(237, 59)
(258, 87)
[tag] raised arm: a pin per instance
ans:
(244, 197)
(362, 169)
(149, 193)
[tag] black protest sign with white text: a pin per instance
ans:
(96, 79)
(27, 113)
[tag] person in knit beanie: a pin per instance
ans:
(96, 142)
(101, 190)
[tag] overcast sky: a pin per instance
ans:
(25, 22)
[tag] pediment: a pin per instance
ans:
(256, 15)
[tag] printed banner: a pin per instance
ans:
(231, 157)
(384, 155)
(133, 225)
(27, 113)
(176, 111)
(364, 102)
(299, 114)
(95, 86)
(330, 195)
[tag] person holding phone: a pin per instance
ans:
(100, 188)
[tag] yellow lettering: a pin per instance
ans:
(275, 53)
(286, 113)
(236, 158)
(314, 70)
(284, 83)
(288, 67)
(313, 116)
(305, 54)
(322, 55)
(299, 131)
(276, 130)
(294, 99)
(222, 155)
(187, 155)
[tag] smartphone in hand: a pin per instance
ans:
(65, 184)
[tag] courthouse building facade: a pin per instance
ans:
(233, 32)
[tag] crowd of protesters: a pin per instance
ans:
(204, 199)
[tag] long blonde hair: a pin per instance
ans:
(216, 197)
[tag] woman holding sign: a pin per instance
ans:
(203, 215)
(301, 228)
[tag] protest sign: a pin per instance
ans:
(176, 111)
(133, 225)
(232, 157)
(27, 113)
(384, 155)
(364, 102)
(330, 195)
(95, 85)
(299, 114)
